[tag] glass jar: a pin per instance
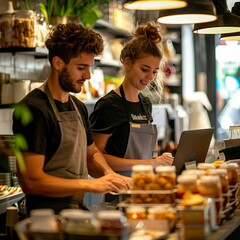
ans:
(210, 186)
(232, 169)
(6, 30)
(24, 29)
(136, 213)
(205, 166)
(222, 173)
(234, 132)
(143, 179)
(165, 180)
(165, 177)
(186, 183)
(163, 213)
(197, 172)
(142, 176)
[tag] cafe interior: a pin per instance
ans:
(198, 121)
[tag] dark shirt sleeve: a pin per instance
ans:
(34, 132)
(107, 117)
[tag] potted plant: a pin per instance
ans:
(87, 11)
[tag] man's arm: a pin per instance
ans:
(98, 166)
(35, 181)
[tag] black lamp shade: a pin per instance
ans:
(225, 23)
(153, 4)
(235, 36)
(197, 11)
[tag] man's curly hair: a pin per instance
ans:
(69, 40)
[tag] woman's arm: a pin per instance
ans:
(125, 164)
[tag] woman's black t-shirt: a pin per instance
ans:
(110, 117)
(43, 134)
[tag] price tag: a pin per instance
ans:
(191, 165)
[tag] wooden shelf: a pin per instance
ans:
(108, 27)
(37, 52)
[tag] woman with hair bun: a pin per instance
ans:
(122, 120)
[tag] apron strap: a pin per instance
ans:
(50, 98)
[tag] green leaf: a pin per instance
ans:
(23, 113)
(20, 142)
(20, 160)
(44, 11)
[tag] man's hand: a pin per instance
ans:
(112, 182)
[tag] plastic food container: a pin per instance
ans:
(81, 222)
(112, 221)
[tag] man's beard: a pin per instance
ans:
(66, 81)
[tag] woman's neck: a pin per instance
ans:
(131, 93)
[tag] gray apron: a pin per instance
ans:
(142, 144)
(70, 159)
(142, 140)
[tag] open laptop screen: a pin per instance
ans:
(193, 146)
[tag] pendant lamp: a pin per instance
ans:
(236, 35)
(226, 21)
(153, 4)
(196, 11)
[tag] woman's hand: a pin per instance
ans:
(166, 159)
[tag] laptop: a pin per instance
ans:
(192, 148)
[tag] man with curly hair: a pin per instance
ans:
(61, 152)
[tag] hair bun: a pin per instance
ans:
(149, 31)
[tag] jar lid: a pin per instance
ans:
(210, 179)
(205, 166)
(75, 214)
(229, 165)
(165, 169)
(187, 178)
(109, 214)
(197, 172)
(135, 209)
(136, 168)
(217, 171)
(234, 127)
(41, 213)
(157, 209)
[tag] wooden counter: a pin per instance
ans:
(225, 231)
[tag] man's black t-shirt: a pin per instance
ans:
(43, 134)
(110, 117)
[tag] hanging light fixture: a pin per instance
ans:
(226, 21)
(196, 11)
(153, 4)
(236, 35)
